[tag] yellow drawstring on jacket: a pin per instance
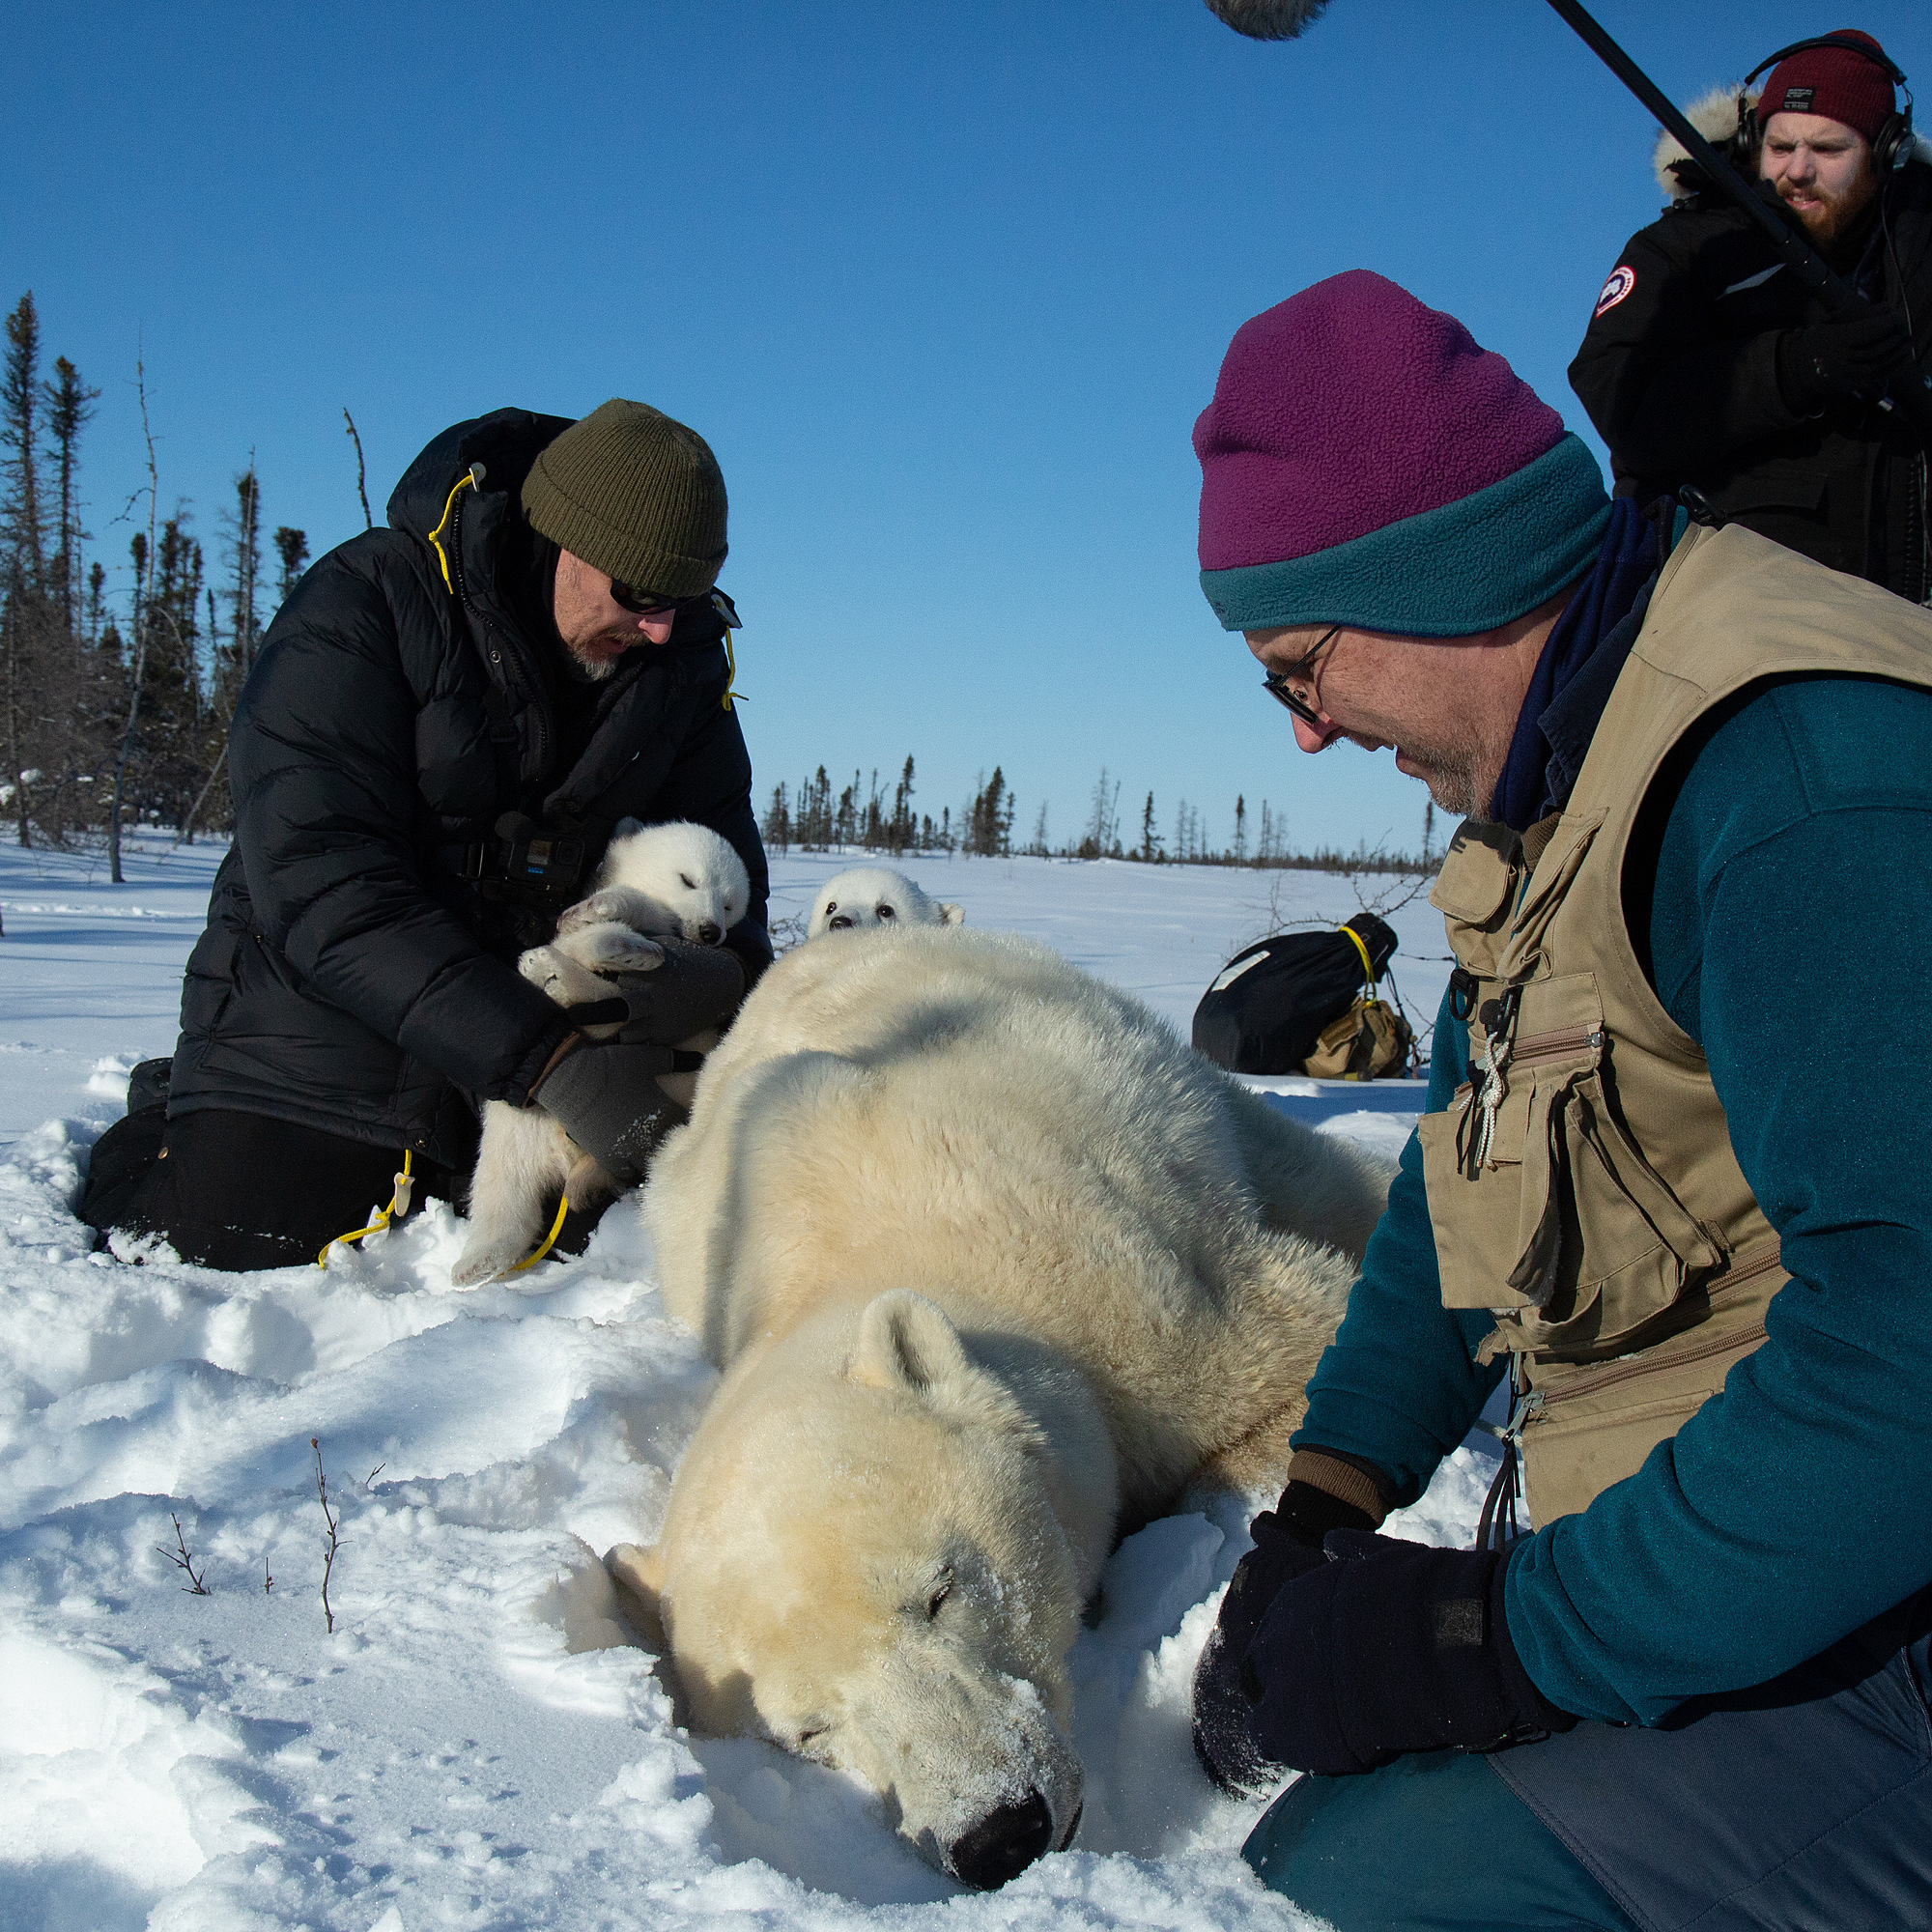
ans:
(548, 1241)
(399, 1204)
(472, 479)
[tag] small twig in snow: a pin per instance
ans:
(180, 1557)
(374, 1473)
(331, 1542)
(267, 1581)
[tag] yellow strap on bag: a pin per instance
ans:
(548, 1241)
(1368, 965)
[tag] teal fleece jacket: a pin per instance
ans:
(1790, 931)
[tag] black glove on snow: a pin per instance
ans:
(1288, 1543)
(606, 1094)
(1390, 1647)
(697, 987)
(1849, 355)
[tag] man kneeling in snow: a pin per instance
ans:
(1671, 1185)
(447, 719)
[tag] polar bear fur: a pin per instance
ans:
(996, 1268)
(868, 895)
(672, 881)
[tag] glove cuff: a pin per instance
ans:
(1346, 1481)
(1537, 1712)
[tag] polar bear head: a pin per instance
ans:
(865, 895)
(874, 1557)
(679, 880)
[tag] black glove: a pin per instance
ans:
(1288, 1543)
(606, 1094)
(1390, 1647)
(1849, 355)
(697, 987)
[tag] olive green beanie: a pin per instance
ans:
(637, 496)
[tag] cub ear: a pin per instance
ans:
(639, 1575)
(624, 827)
(906, 1342)
(951, 914)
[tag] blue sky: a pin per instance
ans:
(944, 286)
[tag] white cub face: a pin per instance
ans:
(868, 895)
(872, 1575)
(680, 880)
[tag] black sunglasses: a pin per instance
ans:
(1275, 683)
(647, 603)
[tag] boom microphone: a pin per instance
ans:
(1269, 20)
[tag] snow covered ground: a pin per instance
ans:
(477, 1745)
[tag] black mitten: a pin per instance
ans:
(697, 987)
(606, 1094)
(1849, 355)
(1390, 1647)
(1287, 1541)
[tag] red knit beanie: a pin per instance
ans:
(1835, 82)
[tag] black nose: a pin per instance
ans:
(1003, 1845)
(839, 924)
(710, 932)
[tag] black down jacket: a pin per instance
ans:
(1678, 371)
(351, 977)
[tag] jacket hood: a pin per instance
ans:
(505, 441)
(1717, 116)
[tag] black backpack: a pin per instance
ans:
(1268, 1005)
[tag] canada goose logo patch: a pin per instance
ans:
(1623, 279)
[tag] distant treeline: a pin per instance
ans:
(116, 717)
(864, 818)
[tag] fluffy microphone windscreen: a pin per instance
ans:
(1269, 20)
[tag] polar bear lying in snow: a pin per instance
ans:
(996, 1267)
(868, 895)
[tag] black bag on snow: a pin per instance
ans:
(1268, 1005)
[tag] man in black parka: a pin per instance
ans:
(442, 710)
(1708, 364)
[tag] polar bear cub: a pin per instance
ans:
(996, 1268)
(868, 895)
(674, 881)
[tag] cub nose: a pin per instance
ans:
(710, 932)
(839, 923)
(1002, 1845)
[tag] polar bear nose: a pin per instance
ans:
(1002, 1845)
(710, 932)
(838, 924)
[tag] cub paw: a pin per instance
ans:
(616, 948)
(477, 1264)
(599, 907)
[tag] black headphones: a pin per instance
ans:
(1891, 145)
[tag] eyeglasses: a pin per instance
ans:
(647, 603)
(1276, 682)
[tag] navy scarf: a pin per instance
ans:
(1579, 663)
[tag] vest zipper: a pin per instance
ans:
(1542, 1046)
(1608, 1375)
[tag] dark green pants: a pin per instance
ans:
(1432, 1844)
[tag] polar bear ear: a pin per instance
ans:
(906, 1342)
(951, 914)
(639, 1575)
(623, 828)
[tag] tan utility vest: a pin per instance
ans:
(1582, 1186)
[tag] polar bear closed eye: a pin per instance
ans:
(674, 881)
(870, 895)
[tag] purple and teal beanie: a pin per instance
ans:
(1365, 463)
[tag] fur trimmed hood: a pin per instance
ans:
(1724, 118)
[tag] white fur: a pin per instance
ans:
(1715, 116)
(679, 881)
(870, 895)
(995, 1267)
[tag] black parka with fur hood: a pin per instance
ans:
(350, 977)
(1678, 371)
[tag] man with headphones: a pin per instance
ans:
(1715, 376)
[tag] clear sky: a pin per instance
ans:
(945, 286)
